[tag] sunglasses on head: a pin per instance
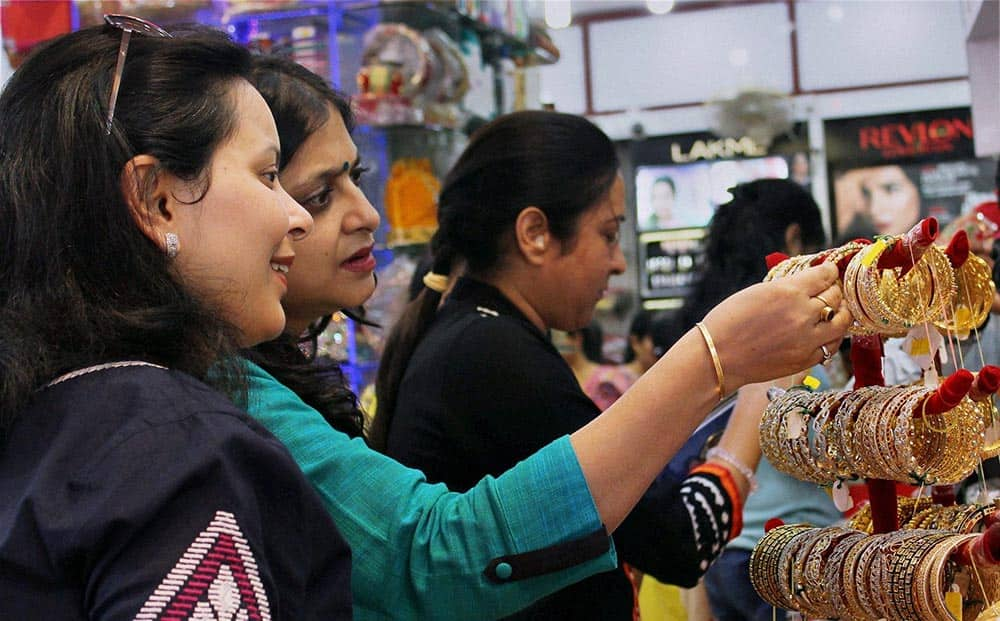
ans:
(127, 24)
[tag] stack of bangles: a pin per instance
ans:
(883, 302)
(922, 513)
(888, 302)
(974, 293)
(793, 265)
(875, 432)
(840, 573)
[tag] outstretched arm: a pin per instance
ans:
(766, 331)
(422, 552)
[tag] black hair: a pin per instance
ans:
(560, 163)
(666, 330)
(300, 101)
(640, 327)
(743, 232)
(592, 342)
(80, 283)
(668, 180)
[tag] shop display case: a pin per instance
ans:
(421, 74)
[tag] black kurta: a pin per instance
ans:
(141, 493)
(485, 388)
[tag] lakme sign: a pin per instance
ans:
(718, 149)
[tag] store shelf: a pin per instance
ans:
(509, 45)
(496, 42)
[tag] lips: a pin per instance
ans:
(280, 266)
(361, 261)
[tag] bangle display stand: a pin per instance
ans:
(918, 584)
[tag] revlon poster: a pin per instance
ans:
(887, 172)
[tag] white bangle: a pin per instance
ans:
(725, 456)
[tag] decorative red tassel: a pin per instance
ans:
(991, 518)
(987, 383)
(981, 551)
(866, 357)
(884, 503)
(943, 495)
(910, 247)
(774, 258)
(842, 264)
(948, 394)
(958, 249)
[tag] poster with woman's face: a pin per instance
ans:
(890, 199)
(686, 195)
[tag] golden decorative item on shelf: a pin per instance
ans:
(884, 302)
(936, 566)
(411, 195)
(991, 433)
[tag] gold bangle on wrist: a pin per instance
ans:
(715, 359)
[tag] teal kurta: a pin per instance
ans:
(420, 551)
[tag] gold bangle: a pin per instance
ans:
(715, 358)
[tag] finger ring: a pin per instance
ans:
(826, 353)
(822, 299)
(827, 313)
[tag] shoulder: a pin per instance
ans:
(265, 388)
(153, 475)
(142, 411)
(466, 337)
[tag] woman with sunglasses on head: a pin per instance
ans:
(427, 552)
(144, 239)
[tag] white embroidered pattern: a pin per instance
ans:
(695, 500)
(216, 579)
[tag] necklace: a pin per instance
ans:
(100, 367)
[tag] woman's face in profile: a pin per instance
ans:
(892, 200)
(235, 240)
(583, 265)
(334, 266)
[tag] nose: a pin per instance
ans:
(618, 261)
(361, 215)
(300, 221)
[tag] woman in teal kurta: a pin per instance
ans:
(419, 551)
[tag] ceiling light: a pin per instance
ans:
(659, 7)
(558, 13)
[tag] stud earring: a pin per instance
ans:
(173, 244)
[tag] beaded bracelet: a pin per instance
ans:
(725, 456)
